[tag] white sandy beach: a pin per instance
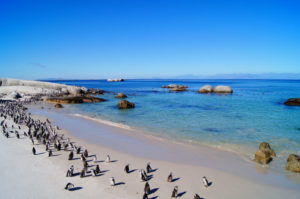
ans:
(40, 176)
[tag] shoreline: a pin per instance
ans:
(170, 150)
(188, 177)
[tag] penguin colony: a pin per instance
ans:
(44, 133)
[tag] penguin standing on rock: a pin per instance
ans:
(33, 151)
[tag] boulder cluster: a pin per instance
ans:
(176, 88)
(217, 89)
(265, 154)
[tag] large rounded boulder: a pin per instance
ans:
(121, 95)
(264, 154)
(223, 89)
(293, 163)
(206, 89)
(124, 104)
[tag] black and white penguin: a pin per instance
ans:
(33, 151)
(112, 181)
(174, 192)
(94, 172)
(50, 153)
(145, 196)
(69, 186)
(147, 189)
(82, 173)
(97, 169)
(107, 159)
(170, 177)
(148, 168)
(205, 181)
(126, 169)
(85, 153)
(196, 196)
(71, 155)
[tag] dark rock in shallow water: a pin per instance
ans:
(58, 106)
(293, 102)
(293, 163)
(263, 155)
(123, 104)
(75, 100)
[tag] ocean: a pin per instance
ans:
(236, 122)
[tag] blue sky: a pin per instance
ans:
(147, 38)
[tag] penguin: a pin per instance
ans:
(78, 150)
(33, 151)
(82, 158)
(107, 159)
(71, 155)
(126, 169)
(71, 170)
(205, 181)
(18, 136)
(148, 168)
(85, 165)
(82, 173)
(85, 153)
(145, 196)
(147, 189)
(142, 176)
(69, 186)
(50, 153)
(174, 192)
(170, 177)
(94, 172)
(112, 181)
(97, 169)
(196, 196)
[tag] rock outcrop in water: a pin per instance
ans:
(223, 89)
(124, 104)
(264, 154)
(94, 91)
(293, 163)
(206, 89)
(121, 95)
(176, 88)
(293, 102)
(74, 100)
(58, 106)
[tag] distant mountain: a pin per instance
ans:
(243, 76)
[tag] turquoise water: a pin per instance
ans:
(252, 114)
